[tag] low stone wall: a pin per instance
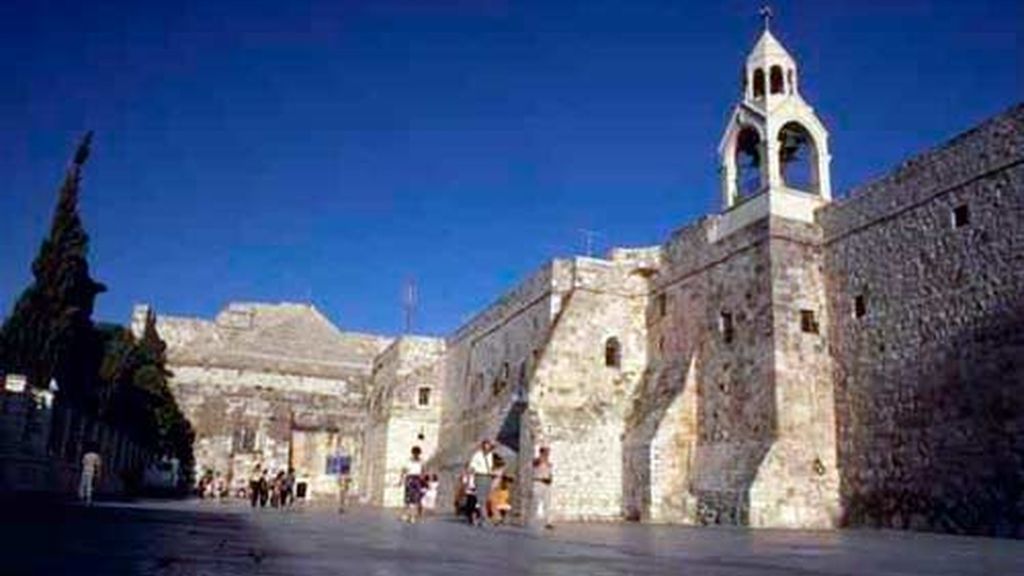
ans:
(41, 447)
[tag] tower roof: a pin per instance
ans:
(768, 49)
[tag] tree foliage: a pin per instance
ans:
(103, 371)
(136, 395)
(49, 334)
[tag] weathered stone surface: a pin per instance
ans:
(277, 385)
(404, 411)
(930, 379)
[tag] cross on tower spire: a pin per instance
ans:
(766, 15)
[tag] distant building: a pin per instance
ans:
(275, 385)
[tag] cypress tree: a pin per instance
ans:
(50, 333)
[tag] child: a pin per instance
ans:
(499, 503)
(430, 493)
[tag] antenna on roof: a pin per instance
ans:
(588, 237)
(409, 300)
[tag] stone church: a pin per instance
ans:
(793, 360)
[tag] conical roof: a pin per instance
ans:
(768, 49)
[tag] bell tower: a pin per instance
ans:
(774, 156)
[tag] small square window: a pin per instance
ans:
(961, 216)
(423, 397)
(726, 327)
(860, 306)
(808, 322)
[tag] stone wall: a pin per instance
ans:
(399, 418)
(733, 420)
(224, 405)
(928, 337)
(41, 447)
(704, 418)
(488, 361)
(577, 401)
(276, 385)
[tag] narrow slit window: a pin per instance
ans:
(612, 353)
(662, 305)
(961, 216)
(725, 325)
(860, 306)
(808, 322)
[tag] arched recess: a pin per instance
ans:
(776, 79)
(758, 83)
(748, 162)
(798, 158)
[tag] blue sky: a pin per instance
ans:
(327, 151)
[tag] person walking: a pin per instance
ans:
(289, 486)
(344, 482)
(481, 465)
(465, 501)
(91, 464)
(254, 485)
(412, 479)
(542, 477)
(264, 488)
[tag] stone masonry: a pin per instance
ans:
(925, 270)
(404, 411)
(791, 361)
(270, 384)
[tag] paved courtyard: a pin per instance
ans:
(208, 538)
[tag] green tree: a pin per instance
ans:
(136, 396)
(50, 334)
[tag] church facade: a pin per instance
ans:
(790, 361)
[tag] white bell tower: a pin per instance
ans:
(774, 154)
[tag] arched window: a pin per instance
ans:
(748, 162)
(612, 353)
(789, 80)
(798, 158)
(758, 83)
(776, 79)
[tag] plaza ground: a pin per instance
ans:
(210, 538)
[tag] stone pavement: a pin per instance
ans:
(208, 538)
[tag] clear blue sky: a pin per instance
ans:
(287, 150)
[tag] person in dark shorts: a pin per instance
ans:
(412, 479)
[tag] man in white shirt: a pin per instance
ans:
(482, 467)
(542, 477)
(91, 463)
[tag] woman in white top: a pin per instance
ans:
(412, 479)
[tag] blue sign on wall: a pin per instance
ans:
(339, 464)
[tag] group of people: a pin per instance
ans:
(279, 491)
(212, 485)
(484, 489)
(420, 488)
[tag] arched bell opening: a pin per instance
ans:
(748, 162)
(758, 83)
(776, 79)
(798, 159)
